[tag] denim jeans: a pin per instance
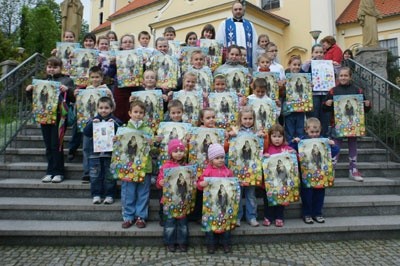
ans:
(294, 126)
(215, 239)
(102, 182)
(251, 203)
(55, 157)
(321, 115)
(312, 201)
(176, 231)
(135, 199)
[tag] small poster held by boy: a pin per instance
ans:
(86, 105)
(201, 138)
(45, 101)
(245, 153)
(186, 55)
(226, 106)
(316, 163)
(64, 52)
(265, 110)
(170, 131)
(129, 68)
(272, 83)
(153, 101)
(349, 115)
(179, 191)
(167, 70)
(130, 154)
(213, 51)
(204, 78)
(192, 104)
(281, 175)
(323, 75)
(221, 199)
(83, 59)
(103, 133)
(298, 93)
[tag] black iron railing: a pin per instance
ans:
(15, 109)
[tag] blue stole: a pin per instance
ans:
(230, 35)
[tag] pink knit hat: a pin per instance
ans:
(215, 150)
(174, 145)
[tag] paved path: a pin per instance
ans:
(357, 252)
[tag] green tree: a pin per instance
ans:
(5, 51)
(10, 15)
(84, 30)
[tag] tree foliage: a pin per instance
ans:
(10, 17)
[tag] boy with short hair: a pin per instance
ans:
(169, 33)
(144, 39)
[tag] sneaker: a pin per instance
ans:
(308, 220)
(85, 179)
(140, 223)
(319, 219)
(266, 222)
(254, 223)
(279, 223)
(57, 179)
(183, 248)
(71, 155)
(96, 200)
(238, 223)
(355, 175)
(47, 179)
(210, 249)
(227, 249)
(108, 200)
(161, 223)
(127, 224)
(171, 248)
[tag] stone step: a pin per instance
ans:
(48, 232)
(35, 130)
(33, 141)
(82, 209)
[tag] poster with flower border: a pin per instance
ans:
(167, 70)
(169, 131)
(129, 68)
(323, 75)
(82, 60)
(186, 54)
(316, 163)
(174, 48)
(221, 199)
(226, 106)
(146, 52)
(349, 115)
(130, 154)
(86, 105)
(265, 110)
(245, 153)
(179, 191)
(154, 107)
(200, 139)
(213, 52)
(205, 78)
(272, 83)
(64, 52)
(298, 93)
(192, 104)
(114, 46)
(103, 133)
(236, 79)
(45, 96)
(281, 177)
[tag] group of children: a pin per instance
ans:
(119, 107)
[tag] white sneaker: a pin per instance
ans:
(355, 175)
(238, 223)
(108, 200)
(254, 223)
(46, 179)
(96, 200)
(58, 179)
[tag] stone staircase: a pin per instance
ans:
(32, 212)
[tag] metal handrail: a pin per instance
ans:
(15, 108)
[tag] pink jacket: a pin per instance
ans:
(212, 171)
(167, 164)
(274, 149)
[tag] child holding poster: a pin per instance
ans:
(346, 87)
(101, 180)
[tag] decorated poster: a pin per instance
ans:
(114, 46)
(220, 204)
(245, 153)
(64, 52)
(154, 107)
(179, 191)
(349, 115)
(168, 131)
(272, 83)
(45, 100)
(167, 70)
(213, 50)
(130, 155)
(281, 177)
(174, 48)
(129, 68)
(186, 54)
(146, 52)
(226, 108)
(204, 78)
(107, 59)
(236, 79)
(298, 93)
(103, 133)
(200, 139)
(323, 75)
(82, 60)
(316, 163)
(192, 104)
(86, 105)
(265, 110)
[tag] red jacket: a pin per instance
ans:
(212, 171)
(334, 53)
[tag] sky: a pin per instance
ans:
(86, 9)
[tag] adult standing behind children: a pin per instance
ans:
(239, 31)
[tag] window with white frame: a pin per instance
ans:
(270, 4)
(392, 46)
